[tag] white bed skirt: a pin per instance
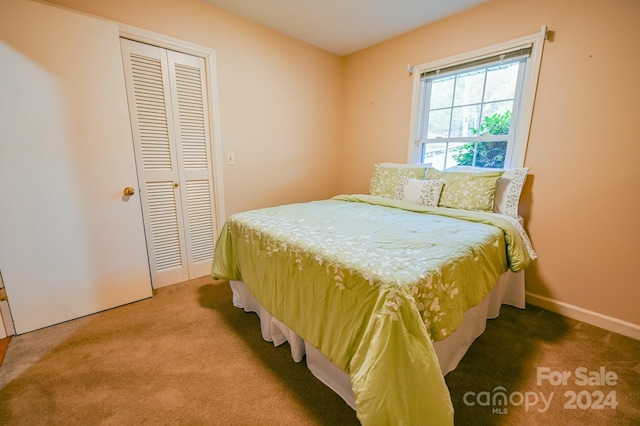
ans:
(509, 290)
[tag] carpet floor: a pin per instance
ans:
(186, 356)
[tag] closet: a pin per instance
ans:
(167, 96)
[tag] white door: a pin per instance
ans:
(169, 116)
(71, 243)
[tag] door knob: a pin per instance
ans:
(176, 184)
(128, 191)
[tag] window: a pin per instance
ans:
(475, 109)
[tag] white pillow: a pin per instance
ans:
(509, 189)
(419, 191)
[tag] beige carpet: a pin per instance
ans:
(187, 356)
(521, 343)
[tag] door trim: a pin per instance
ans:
(209, 56)
(6, 320)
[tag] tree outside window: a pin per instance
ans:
(467, 113)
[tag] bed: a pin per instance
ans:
(383, 292)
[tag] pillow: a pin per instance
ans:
(467, 190)
(387, 177)
(510, 186)
(419, 191)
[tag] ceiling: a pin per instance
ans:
(344, 26)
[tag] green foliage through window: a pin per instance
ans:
(486, 154)
(497, 124)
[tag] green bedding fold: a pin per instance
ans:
(371, 282)
(520, 252)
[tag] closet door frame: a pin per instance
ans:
(209, 57)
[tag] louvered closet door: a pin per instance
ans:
(168, 107)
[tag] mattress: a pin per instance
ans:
(372, 284)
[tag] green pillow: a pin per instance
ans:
(467, 190)
(387, 177)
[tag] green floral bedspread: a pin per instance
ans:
(371, 282)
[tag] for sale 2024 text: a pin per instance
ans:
(597, 399)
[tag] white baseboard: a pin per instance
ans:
(603, 321)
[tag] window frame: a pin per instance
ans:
(516, 151)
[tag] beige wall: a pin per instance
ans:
(280, 100)
(305, 124)
(582, 200)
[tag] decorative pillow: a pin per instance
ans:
(510, 186)
(467, 190)
(419, 191)
(387, 177)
